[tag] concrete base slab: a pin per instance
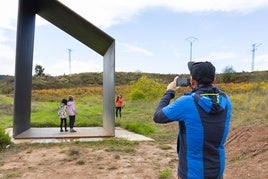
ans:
(47, 135)
(52, 133)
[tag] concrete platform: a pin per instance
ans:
(47, 135)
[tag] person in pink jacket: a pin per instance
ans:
(72, 112)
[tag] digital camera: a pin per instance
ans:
(183, 81)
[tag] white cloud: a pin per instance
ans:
(135, 49)
(223, 59)
(105, 13)
(261, 62)
(79, 66)
(61, 67)
(7, 56)
(217, 56)
(8, 14)
(214, 5)
(3, 38)
(7, 67)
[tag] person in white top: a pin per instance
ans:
(62, 113)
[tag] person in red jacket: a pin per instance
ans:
(119, 105)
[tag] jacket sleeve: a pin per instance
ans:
(74, 109)
(159, 116)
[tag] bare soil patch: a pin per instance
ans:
(247, 157)
(247, 153)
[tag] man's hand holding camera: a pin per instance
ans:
(173, 85)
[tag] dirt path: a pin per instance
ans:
(247, 157)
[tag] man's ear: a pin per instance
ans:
(193, 82)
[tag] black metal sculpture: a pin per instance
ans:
(76, 26)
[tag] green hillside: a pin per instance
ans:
(121, 78)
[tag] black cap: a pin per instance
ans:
(202, 72)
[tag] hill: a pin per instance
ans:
(121, 78)
(2, 77)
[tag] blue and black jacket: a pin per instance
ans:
(204, 117)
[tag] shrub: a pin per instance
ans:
(165, 174)
(137, 95)
(229, 75)
(5, 140)
(146, 88)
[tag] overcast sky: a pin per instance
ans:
(150, 35)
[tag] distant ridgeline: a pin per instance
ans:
(2, 77)
(121, 78)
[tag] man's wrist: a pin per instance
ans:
(171, 93)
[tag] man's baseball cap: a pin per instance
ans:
(202, 72)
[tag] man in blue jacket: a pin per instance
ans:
(204, 119)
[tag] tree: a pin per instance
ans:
(229, 74)
(228, 69)
(39, 70)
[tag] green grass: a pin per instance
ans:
(165, 174)
(6, 111)
(13, 174)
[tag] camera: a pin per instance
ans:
(183, 81)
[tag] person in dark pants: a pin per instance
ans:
(72, 112)
(204, 116)
(62, 113)
(118, 106)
